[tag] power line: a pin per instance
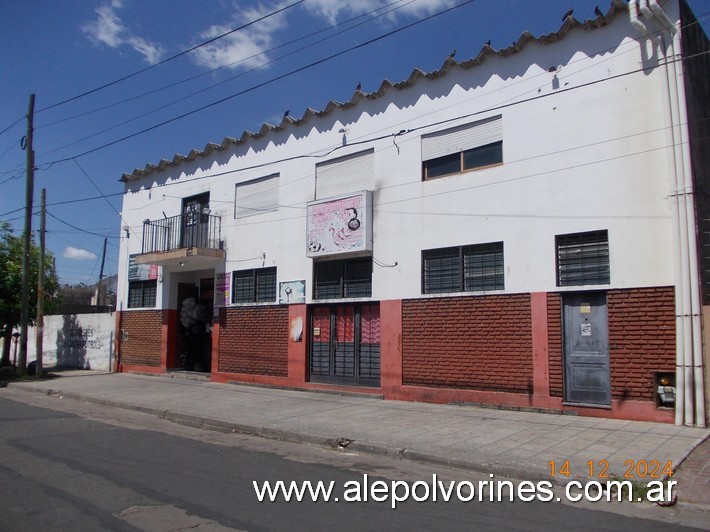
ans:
(245, 91)
(429, 125)
(81, 200)
(79, 228)
(379, 137)
(103, 195)
(12, 212)
(13, 124)
(128, 76)
(191, 78)
(263, 84)
(227, 80)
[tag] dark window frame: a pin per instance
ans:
(583, 258)
(461, 167)
(342, 279)
(145, 298)
(262, 285)
(470, 268)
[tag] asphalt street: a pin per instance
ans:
(72, 466)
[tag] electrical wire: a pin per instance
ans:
(79, 228)
(143, 115)
(262, 84)
(184, 52)
(371, 140)
(212, 71)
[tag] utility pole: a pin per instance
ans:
(29, 193)
(101, 276)
(40, 286)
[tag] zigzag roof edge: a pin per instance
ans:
(415, 76)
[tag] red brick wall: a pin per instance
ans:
(555, 345)
(477, 342)
(142, 342)
(254, 340)
(641, 339)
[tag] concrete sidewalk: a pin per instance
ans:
(503, 442)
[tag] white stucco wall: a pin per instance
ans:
(84, 341)
(585, 148)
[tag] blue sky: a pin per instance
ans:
(60, 50)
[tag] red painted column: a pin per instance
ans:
(216, 318)
(541, 369)
(297, 341)
(168, 357)
(390, 346)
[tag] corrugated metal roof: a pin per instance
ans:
(570, 23)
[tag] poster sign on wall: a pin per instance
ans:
(292, 292)
(222, 287)
(339, 225)
(141, 272)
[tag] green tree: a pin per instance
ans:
(11, 250)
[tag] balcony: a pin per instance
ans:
(193, 238)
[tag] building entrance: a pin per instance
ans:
(345, 344)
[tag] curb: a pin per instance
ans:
(332, 442)
(526, 471)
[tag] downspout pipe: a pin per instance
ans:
(681, 312)
(634, 19)
(694, 360)
(684, 410)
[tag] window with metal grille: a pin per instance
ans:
(142, 293)
(335, 279)
(583, 258)
(467, 147)
(472, 268)
(254, 286)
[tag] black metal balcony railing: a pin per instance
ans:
(192, 229)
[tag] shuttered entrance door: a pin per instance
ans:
(369, 353)
(320, 344)
(345, 344)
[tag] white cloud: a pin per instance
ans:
(333, 10)
(244, 48)
(108, 29)
(78, 254)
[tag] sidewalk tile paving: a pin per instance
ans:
(488, 440)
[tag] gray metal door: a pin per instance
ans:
(586, 349)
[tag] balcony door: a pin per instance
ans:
(195, 221)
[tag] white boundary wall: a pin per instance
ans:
(83, 341)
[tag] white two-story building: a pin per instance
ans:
(524, 228)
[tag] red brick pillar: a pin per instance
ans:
(216, 317)
(297, 321)
(390, 346)
(541, 368)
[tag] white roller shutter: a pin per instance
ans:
(345, 175)
(461, 138)
(257, 196)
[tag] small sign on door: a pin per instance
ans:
(586, 329)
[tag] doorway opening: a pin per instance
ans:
(345, 344)
(194, 327)
(586, 340)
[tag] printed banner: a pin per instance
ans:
(341, 225)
